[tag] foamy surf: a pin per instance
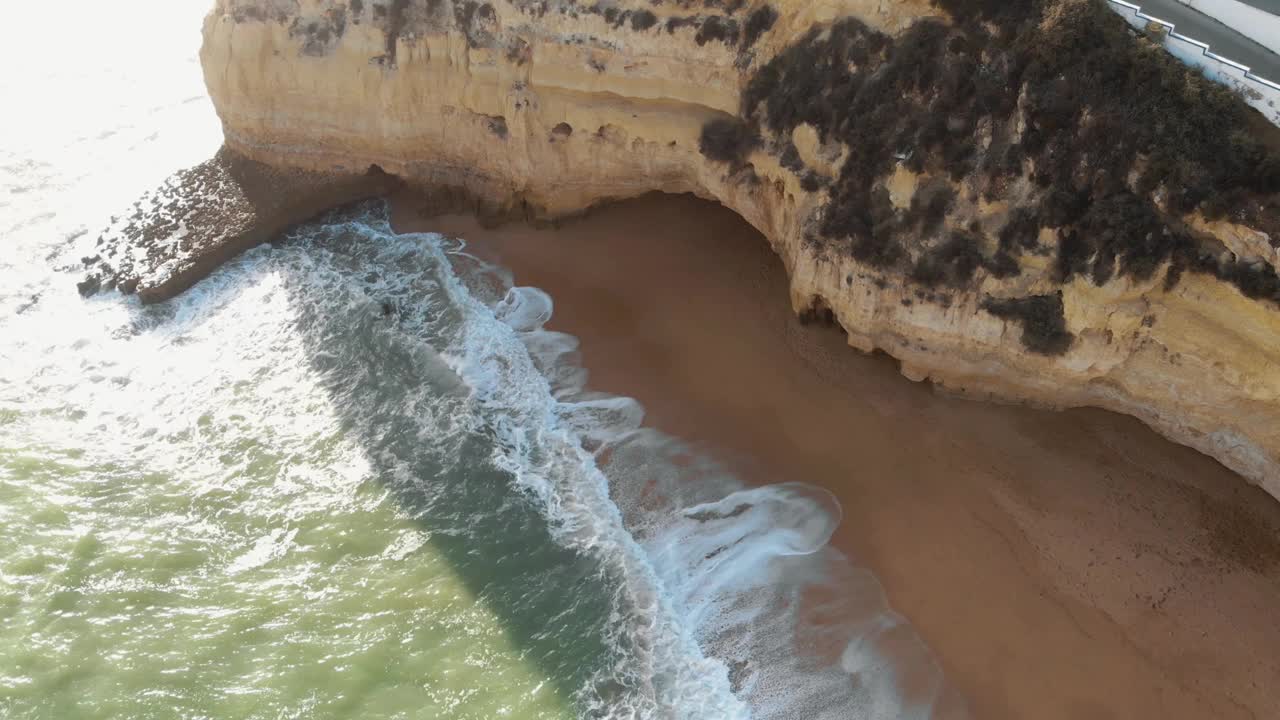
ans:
(280, 493)
(728, 601)
(348, 373)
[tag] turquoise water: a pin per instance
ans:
(350, 475)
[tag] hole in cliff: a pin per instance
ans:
(611, 134)
(497, 125)
(887, 362)
(818, 313)
(561, 131)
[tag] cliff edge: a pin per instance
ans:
(1021, 201)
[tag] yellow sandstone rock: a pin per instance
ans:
(553, 106)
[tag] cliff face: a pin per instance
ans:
(1022, 203)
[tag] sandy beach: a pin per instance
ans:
(1059, 564)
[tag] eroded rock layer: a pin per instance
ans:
(1017, 200)
(199, 218)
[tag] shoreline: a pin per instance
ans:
(201, 217)
(992, 253)
(1059, 564)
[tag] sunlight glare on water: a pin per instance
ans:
(185, 528)
(352, 475)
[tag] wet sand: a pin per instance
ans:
(1059, 564)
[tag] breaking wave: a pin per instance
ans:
(725, 600)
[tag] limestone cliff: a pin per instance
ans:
(1017, 200)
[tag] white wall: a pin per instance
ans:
(1258, 92)
(1258, 25)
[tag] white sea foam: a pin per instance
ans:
(730, 601)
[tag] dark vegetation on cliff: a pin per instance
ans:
(319, 35)
(1120, 141)
(728, 141)
(478, 22)
(759, 22)
(1044, 329)
(721, 26)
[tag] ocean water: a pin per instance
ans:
(351, 475)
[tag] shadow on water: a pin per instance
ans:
(383, 319)
(406, 409)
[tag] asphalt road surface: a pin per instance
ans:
(1222, 40)
(1271, 6)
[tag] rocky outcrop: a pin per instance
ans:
(1020, 201)
(199, 218)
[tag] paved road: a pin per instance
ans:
(1222, 40)
(1271, 6)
